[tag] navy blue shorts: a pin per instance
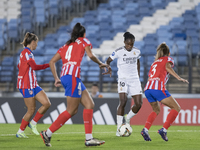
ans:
(73, 86)
(26, 93)
(156, 95)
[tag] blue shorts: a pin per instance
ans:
(73, 86)
(26, 93)
(156, 95)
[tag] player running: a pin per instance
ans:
(28, 86)
(75, 91)
(128, 64)
(156, 92)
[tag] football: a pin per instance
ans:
(125, 130)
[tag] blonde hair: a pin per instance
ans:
(29, 37)
(162, 50)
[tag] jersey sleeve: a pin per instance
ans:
(86, 43)
(60, 50)
(114, 55)
(171, 60)
(139, 55)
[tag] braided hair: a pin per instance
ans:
(128, 35)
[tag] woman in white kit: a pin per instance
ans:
(128, 64)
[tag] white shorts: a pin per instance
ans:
(129, 86)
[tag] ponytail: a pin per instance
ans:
(162, 50)
(28, 38)
(78, 31)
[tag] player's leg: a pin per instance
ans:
(135, 108)
(72, 108)
(150, 95)
(175, 108)
(135, 90)
(30, 104)
(88, 104)
(120, 110)
(73, 96)
(41, 97)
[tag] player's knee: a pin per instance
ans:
(178, 109)
(47, 104)
(122, 103)
(31, 110)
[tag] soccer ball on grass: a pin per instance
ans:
(125, 130)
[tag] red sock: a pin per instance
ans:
(23, 124)
(87, 118)
(150, 120)
(38, 116)
(170, 118)
(62, 118)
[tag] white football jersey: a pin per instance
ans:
(126, 62)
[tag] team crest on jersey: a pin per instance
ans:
(113, 54)
(134, 53)
(30, 92)
(121, 88)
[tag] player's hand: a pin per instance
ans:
(183, 80)
(57, 83)
(106, 68)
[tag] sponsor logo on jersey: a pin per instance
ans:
(124, 55)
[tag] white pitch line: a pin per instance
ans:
(105, 132)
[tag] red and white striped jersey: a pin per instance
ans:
(158, 75)
(26, 76)
(72, 55)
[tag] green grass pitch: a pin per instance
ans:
(72, 137)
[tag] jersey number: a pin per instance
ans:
(153, 70)
(68, 52)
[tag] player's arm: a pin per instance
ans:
(96, 60)
(92, 56)
(138, 67)
(173, 73)
(34, 66)
(52, 65)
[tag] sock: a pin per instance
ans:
(150, 120)
(87, 118)
(170, 118)
(60, 121)
(119, 121)
(20, 131)
(49, 133)
(130, 114)
(145, 129)
(23, 125)
(37, 117)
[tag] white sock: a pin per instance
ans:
(165, 130)
(146, 129)
(88, 136)
(33, 122)
(20, 131)
(119, 121)
(130, 114)
(49, 133)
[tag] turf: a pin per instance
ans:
(71, 137)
